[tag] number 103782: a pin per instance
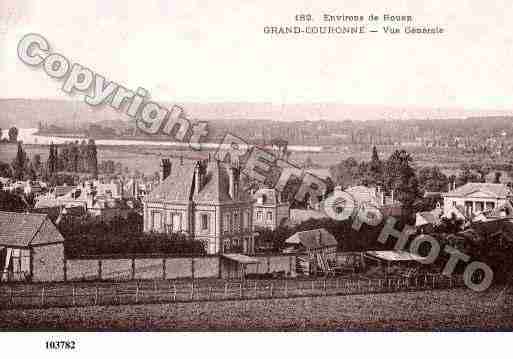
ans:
(60, 345)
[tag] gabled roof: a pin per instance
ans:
(492, 189)
(22, 229)
(313, 239)
(180, 185)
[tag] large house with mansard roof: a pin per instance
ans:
(203, 200)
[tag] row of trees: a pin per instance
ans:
(74, 157)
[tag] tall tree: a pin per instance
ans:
(36, 165)
(5, 170)
(13, 134)
(52, 160)
(401, 178)
(467, 174)
(19, 164)
(92, 158)
(375, 169)
(432, 179)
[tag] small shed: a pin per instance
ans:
(31, 248)
(320, 246)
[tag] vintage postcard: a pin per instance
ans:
(244, 166)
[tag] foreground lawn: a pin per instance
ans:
(456, 309)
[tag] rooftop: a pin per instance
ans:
(20, 229)
(491, 189)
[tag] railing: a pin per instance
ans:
(148, 292)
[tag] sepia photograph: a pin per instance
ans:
(250, 167)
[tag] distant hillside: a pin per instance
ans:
(29, 112)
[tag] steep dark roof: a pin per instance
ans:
(179, 185)
(22, 229)
(176, 187)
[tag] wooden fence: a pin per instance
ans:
(147, 292)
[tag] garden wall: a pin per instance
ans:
(173, 268)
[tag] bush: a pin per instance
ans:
(121, 238)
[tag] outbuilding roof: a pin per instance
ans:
(25, 229)
(313, 239)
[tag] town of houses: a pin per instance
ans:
(205, 201)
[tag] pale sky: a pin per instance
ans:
(202, 51)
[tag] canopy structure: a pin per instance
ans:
(386, 258)
(241, 261)
(240, 258)
(394, 256)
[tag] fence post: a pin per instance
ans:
(155, 285)
(11, 298)
(43, 295)
(324, 287)
(256, 290)
(451, 284)
(174, 292)
(96, 295)
(271, 289)
(73, 296)
(286, 288)
(313, 286)
(433, 280)
(240, 289)
(137, 292)
(209, 292)
(192, 290)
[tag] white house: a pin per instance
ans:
(475, 198)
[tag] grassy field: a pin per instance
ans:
(455, 309)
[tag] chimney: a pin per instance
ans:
(233, 176)
(198, 177)
(166, 168)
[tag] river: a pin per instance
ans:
(28, 136)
